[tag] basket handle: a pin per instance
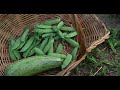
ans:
(81, 37)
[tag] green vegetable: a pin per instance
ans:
(67, 29)
(62, 56)
(43, 31)
(43, 26)
(43, 44)
(47, 47)
(26, 53)
(17, 54)
(31, 53)
(12, 56)
(51, 49)
(48, 35)
(37, 36)
(72, 42)
(74, 52)
(12, 40)
(59, 48)
(58, 31)
(51, 22)
(32, 66)
(22, 43)
(24, 35)
(27, 45)
(38, 51)
(67, 61)
(16, 44)
(70, 35)
(60, 25)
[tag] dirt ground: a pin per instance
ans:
(85, 68)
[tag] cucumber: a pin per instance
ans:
(32, 66)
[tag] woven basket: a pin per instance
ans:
(95, 33)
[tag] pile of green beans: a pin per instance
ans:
(41, 42)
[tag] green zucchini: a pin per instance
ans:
(32, 66)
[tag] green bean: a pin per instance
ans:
(31, 53)
(38, 51)
(51, 22)
(12, 56)
(22, 43)
(27, 45)
(67, 61)
(16, 44)
(43, 26)
(58, 37)
(24, 35)
(62, 56)
(72, 42)
(43, 44)
(26, 53)
(43, 31)
(60, 25)
(74, 53)
(59, 48)
(67, 29)
(17, 54)
(37, 36)
(51, 49)
(48, 34)
(70, 35)
(58, 31)
(47, 47)
(12, 40)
